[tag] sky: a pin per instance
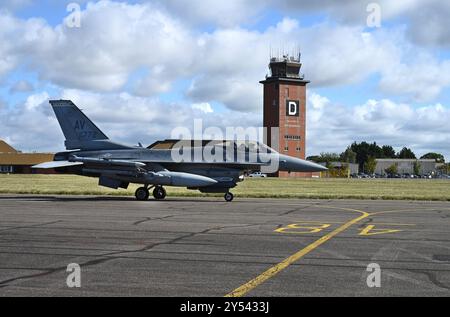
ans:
(379, 70)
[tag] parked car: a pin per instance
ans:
(257, 174)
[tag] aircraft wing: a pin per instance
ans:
(56, 164)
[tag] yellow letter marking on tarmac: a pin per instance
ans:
(370, 231)
(247, 287)
(301, 228)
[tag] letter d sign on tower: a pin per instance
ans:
(292, 108)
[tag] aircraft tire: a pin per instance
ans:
(228, 196)
(142, 194)
(159, 193)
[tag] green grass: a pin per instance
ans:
(391, 189)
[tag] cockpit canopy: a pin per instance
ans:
(239, 145)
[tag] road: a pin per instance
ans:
(207, 247)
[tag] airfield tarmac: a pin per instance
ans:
(207, 247)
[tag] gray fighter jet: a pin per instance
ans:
(211, 166)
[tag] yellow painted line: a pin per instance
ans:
(247, 287)
(411, 210)
(296, 227)
(393, 224)
(339, 222)
(371, 231)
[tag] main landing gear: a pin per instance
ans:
(159, 193)
(143, 193)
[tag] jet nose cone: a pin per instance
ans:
(293, 164)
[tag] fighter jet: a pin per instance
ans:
(210, 166)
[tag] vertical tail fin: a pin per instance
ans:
(78, 129)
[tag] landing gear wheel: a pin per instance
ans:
(159, 193)
(142, 193)
(228, 196)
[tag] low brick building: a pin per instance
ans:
(13, 161)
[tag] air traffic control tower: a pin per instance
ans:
(285, 108)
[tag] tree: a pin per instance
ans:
(370, 165)
(324, 158)
(348, 156)
(388, 151)
(444, 168)
(375, 151)
(416, 168)
(391, 170)
(362, 152)
(314, 158)
(406, 153)
(365, 150)
(433, 156)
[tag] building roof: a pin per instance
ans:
(6, 148)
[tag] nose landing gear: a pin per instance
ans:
(228, 196)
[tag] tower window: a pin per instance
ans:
(298, 149)
(286, 148)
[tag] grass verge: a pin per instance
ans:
(388, 189)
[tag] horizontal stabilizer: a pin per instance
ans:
(56, 164)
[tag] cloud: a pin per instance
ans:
(332, 127)
(138, 119)
(430, 26)
(114, 40)
(144, 49)
(32, 125)
(220, 13)
(13, 5)
(203, 107)
(427, 22)
(403, 79)
(21, 86)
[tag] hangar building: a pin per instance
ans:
(406, 166)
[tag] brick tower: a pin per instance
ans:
(285, 108)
